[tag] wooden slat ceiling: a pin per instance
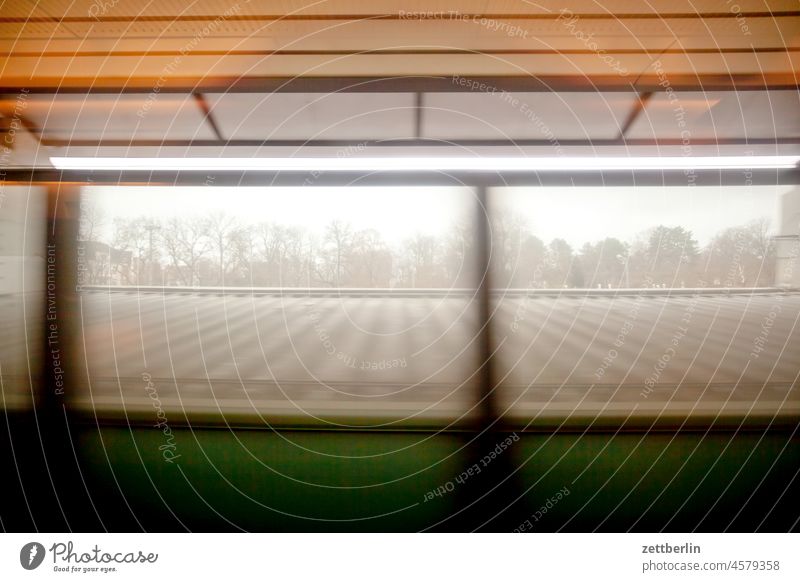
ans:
(73, 59)
(88, 42)
(296, 8)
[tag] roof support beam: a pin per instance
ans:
(203, 104)
(637, 109)
(405, 84)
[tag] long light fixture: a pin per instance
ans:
(427, 164)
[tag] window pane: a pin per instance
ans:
(668, 237)
(308, 304)
(639, 303)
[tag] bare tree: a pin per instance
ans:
(96, 254)
(336, 258)
(91, 221)
(372, 260)
(270, 242)
(186, 244)
(457, 256)
(509, 233)
(140, 237)
(741, 256)
(220, 249)
(285, 255)
(222, 232)
(423, 261)
(240, 253)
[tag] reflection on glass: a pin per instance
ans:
(601, 238)
(640, 303)
(22, 288)
(317, 304)
(277, 237)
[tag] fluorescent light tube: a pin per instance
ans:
(441, 164)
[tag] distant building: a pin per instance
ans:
(787, 242)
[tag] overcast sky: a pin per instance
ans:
(582, 215)
(575, 214)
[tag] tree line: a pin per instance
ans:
(219, 250)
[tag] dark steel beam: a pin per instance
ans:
(621, 178)
(636, 111)
(487, 399)
(418, 106)
(412, 142)
(207, 115)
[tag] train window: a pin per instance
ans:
(339, 306)
(642, 304)
(25, 297)
(635, 237)
(633, 304)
